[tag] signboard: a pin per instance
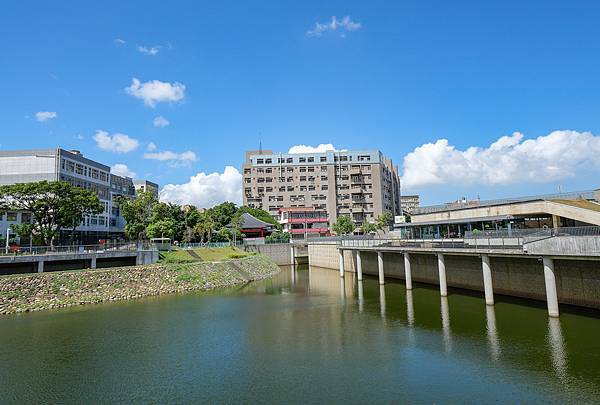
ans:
(399, 219)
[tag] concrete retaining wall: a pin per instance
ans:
(577, 281)
(566, 245)
(280, 253)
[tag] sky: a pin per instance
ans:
(469, 98)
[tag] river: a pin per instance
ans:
(303, 336)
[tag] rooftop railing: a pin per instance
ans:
(585, 195)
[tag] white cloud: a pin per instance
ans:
(119, 143)
(43, 116)
(324, 147)
(509, 160)
(160, 122)
(119, 41)
(151, 147)
(206, 190)
(342, 26)
(174, 159)
(121, 169)
(152, 51)
(155, 91)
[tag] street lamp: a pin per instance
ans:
(7, 238)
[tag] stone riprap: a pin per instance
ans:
(33, 292)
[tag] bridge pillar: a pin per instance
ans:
(380, 267)
(292, 255)
(359, 275)
(93, 262)
(551, 295)
(487, 280)
(40, 266)
(341, 253)
(442, 272)
(407, 271)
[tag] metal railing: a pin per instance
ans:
(73, 249)
(492, 243)
(586, 195)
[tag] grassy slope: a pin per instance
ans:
(206, 254)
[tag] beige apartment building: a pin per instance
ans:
(361, 183)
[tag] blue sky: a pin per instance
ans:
(395, 75)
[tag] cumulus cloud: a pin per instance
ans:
(119, 41)
(206, 190)
(151, 51)
(160, 122)
(43, 116)
(151, 147)
(119, 143)
(324, 147)
(155, 91)
(511, 159)
(175, 159)
(121, 169)
(341, 26)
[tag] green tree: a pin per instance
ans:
(80, 203)
(368, 227)
(383, 221)
(278, 236)
(53, 206)
(138, 213)
(222, 214)
(163, 228)
(344, 225)
(205, 228)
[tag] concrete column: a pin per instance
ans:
(442, 271)
(551, 295)
(380, 266)
(358, 266)
(487, 280)
(407, 271)
(382, 300)
(555, 221)
(40, 266)
(292, 255)
(341, 254)
(361, 297)
(93, 262)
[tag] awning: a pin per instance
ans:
(456, 221)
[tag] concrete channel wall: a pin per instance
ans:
(577, 280)
(281, 253)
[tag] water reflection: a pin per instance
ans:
(557, 348)
(447, 333)
(410, 308)
(492, 333)
(361, 297)
(343, 290)
(382, 300)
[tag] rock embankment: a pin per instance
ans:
(33, 292)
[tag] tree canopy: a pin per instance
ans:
(53, 206)
(343, 225)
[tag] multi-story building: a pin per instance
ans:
(142, 186)
(304, 222)
(409, 203)
(361, 184)
(25, 166)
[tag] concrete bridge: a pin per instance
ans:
(76, 257)
(559, 268)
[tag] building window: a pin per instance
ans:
(323, 159)
(11, 216)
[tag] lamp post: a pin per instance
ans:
(7, 238)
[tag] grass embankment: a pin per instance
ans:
(203, 254)
(175, 272)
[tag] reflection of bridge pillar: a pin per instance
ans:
(361, 297)
(341, 254)
(407, 271)
(93, 262)
(492, 333)
(550, 280)
(380, 267)
(40, 266)
(442, 272)
(358, 266)
(292, 255)
(382, 300)
(410, 308)
(487, 280)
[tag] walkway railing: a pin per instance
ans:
(492, 243)
(71, 249)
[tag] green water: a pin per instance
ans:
(303, 337)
